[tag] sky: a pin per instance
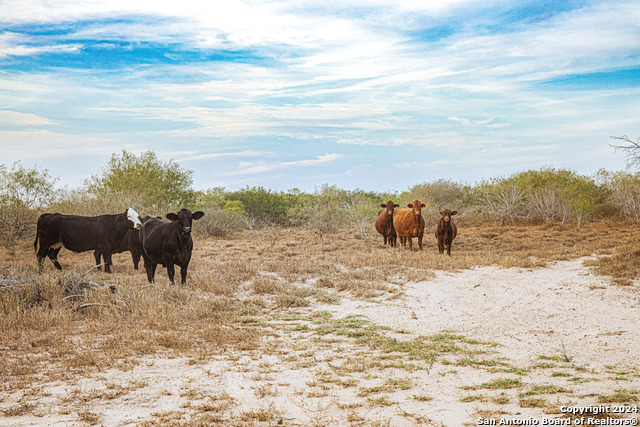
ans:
(375, 95)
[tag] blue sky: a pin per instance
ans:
(378, 95)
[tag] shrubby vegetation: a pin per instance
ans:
(154, 187)
(144, 182)
(23, 192)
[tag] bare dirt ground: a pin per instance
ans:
(451, 348)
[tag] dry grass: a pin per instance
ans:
(239, 288)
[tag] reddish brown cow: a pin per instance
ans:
(446, 231)
(384, 223)
(409, 223)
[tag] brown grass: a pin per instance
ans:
(236, 283)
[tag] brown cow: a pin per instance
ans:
(384, 223)
(409, 223)
(446, 231)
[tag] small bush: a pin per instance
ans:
(23, 192)
(220, 222)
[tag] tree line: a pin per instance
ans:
(155, 187)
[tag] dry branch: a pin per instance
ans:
(24, 289)
(151, 285)
(73, 284)
(631, 150)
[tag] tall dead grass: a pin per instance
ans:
(45, 335)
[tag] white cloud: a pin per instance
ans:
(15, 118)
(211, 156)
(328, 77)
(251, 168)
(13, 44)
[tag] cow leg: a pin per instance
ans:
(41, 254)
(440, 246)
(420, 242)
(448, 246)
(183, 273)
(171, 271)
(41, 258)
(135, 257)
(107, 261)
(53, 256)
(150, 268)
(96, 255)
(385, 240)
(410, 242)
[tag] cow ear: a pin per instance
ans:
(409, 205)
(383, 205)
(198, 215)
(441, 212)
(120, 218)
(454, 212)
(423, 205)
(172, 217)
(396, 205)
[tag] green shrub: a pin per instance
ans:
(23, 194)
(152, 186)
(263, 208)
(323, 212)
(220, 222)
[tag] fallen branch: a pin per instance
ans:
(151, 285)
(99, 304)
(89, 270)
(25, 289)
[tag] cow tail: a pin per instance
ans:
(35, 244)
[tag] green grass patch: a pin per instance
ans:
(473, 398)
(620, 396)
(561, 374)
(497, 384)
(543, 389)
(533, 402)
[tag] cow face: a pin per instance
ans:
(185, 218)
(447, 214)
(134, 218)
(416, 207)
(389, 206)
(131, 215)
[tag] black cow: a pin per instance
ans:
(82, 233)
(130, 242)
(168, 243)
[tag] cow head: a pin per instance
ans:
(131, 215)
(416, 207)
(447, 214)
(185, 218)
(390, 206)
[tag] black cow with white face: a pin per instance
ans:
(82, 233)
(168, 243)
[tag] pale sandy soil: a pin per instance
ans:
(561, 313)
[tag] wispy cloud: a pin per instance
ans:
(15, 118)
(484, 122)
(14, 44)
(377, 82)
(251, 168)
(211, 156)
